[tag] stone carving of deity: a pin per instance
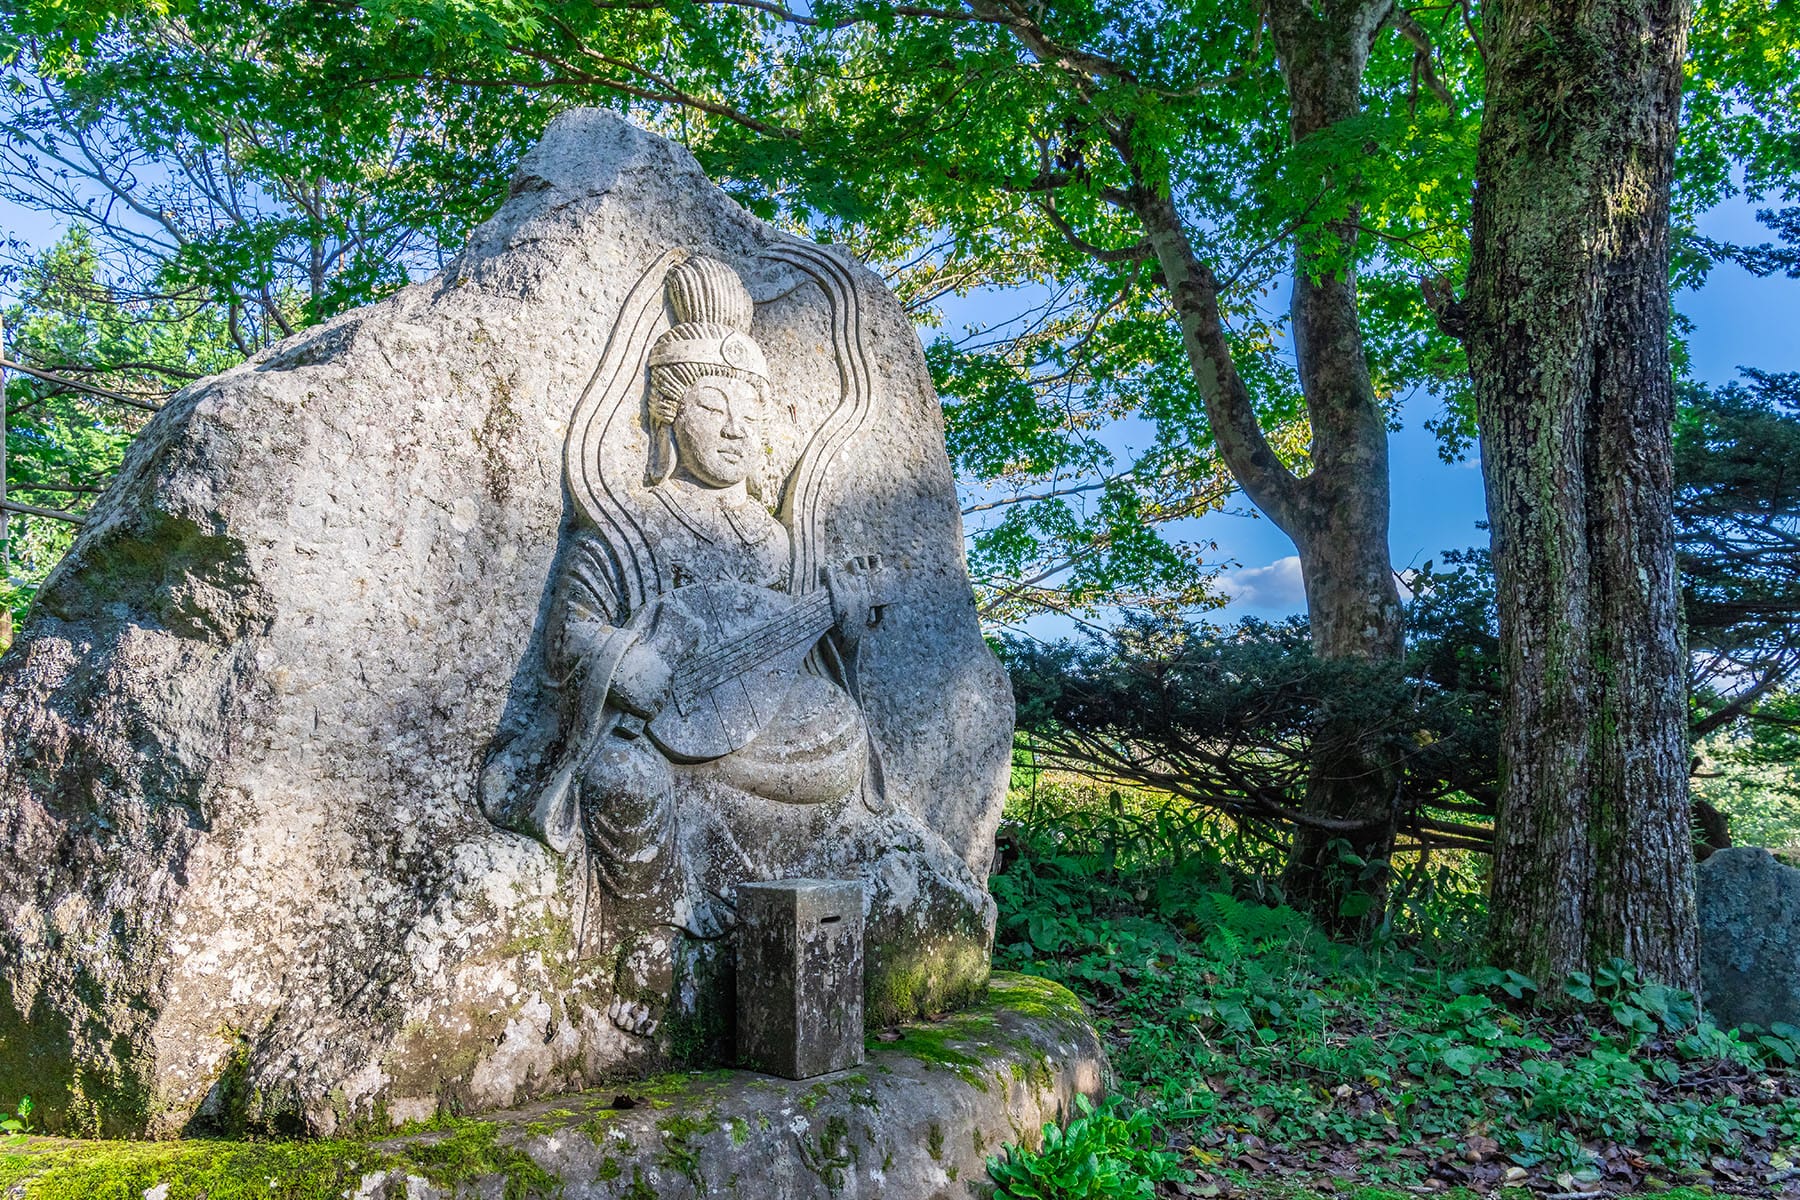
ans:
(714, 675)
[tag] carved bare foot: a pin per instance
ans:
(633, 1017)
(641, 988)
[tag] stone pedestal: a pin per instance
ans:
(918, 1122)
(800, 976)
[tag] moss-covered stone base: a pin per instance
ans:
(916, 1121)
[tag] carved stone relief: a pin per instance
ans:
(397, 733)
(699, 640)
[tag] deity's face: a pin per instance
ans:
(718, 430)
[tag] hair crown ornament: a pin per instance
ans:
(713, 311)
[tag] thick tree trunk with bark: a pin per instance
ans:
(1567, 325)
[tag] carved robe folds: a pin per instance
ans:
(815, 750)
(698, 720)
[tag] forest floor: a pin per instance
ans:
(1271, 1062)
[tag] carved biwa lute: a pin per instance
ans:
(739, 648)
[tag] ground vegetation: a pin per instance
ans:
(1271, 1061)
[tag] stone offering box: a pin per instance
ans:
(799, 976)
(413, 725)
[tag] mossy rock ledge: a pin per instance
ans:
(917, 1121)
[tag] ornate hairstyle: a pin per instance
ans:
(710, 337)
(713, 311)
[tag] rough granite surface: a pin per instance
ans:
(249, 883)
(1749, 907)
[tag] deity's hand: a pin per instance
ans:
(856, 598)
(640, 683)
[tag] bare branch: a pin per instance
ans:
(1230, 411)
(1424, 56)
(78, 386)
(113, 368)
(28, 485)
(32, 510)
(1134, 253)
(1052, 494)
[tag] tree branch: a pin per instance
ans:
(1424, 59)
(1134, 253)
(1230, 412)
(32, 510)
(1052, 494)
(76, 385)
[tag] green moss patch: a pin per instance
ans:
(964, 1043)
(51, 1169)
(472, 1150)
(907, 985)
(450, 1152)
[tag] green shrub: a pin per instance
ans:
(1101, 1155)
(20, 1119)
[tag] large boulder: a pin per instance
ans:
(251, 881)
(1749, 907)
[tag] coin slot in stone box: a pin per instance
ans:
(800, 976)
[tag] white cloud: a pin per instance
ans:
(1277, 586)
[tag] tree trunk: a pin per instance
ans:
(1567, 328)
(1337, 514)
(1338, 873)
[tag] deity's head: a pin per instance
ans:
(709, 382)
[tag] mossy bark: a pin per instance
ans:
(1568, 332)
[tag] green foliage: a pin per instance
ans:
(286, 160)
(362, 141)
(1750, 771)
(1737, 514)
(1102, 1154)
(20, 1120)
(63, 444)
(1740, 130)
(1245, 1034)
(1231, 718)
(1638, 1005)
